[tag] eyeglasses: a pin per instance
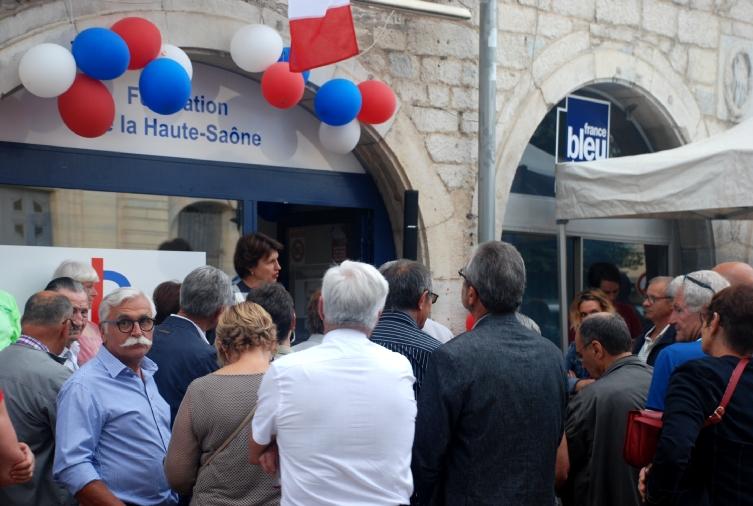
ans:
(653, 299)
(433, 296)
(697, 282)
(125, 325)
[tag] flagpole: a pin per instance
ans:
(487, 117)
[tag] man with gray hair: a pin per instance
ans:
(597, 416)
(113, 427)
(180, 348)
(657, 308)
(407, 308)
(89, 339)
(342, 412)
(32, 374)
(691, 293)
(76, 295)
(493, 399)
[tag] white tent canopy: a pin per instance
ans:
(711, 178)
(708, 179)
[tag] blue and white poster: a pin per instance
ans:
(585, 136)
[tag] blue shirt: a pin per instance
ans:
(668, 360)
(114, 427)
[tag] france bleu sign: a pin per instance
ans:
(585, 136)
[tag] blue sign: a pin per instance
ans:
(587, 135)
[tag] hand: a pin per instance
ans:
(571, 374)
(22, 471)
(581, 384)
(269, 460)
(642, 482)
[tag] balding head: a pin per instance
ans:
(737, 273)
(46, 317)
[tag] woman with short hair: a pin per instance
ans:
(714, 465)
(256, 261)
(208, 453)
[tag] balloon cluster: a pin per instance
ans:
(84, 102)
(339, 104)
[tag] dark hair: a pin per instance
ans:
(166, 299)
(408, 280)
(602, 271)
(46, 308)
(65, 283)
(497, 272)
(314, 323)
(734, 305)
(177, 244)
(609, 329)
(250, 249)
(278, 303)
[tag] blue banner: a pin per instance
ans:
(587, 135)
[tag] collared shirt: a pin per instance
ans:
(31, 342)
(344, 414)
(649, 343)
(313, 340)
(398, 332)
(668, 360)
(201, 332)
(114, 426)
(70, 358)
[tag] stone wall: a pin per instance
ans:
(679, 53)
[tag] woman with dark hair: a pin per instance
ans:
(256, 261)
(208, 453)
(166, 299)
(714, 465)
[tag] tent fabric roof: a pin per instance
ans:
(711, 178)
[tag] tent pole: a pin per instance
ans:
(562, 271)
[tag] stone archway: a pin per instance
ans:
(204, 30)
(563, 68)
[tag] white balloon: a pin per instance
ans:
(180, 56)
(340, 139)
(47, 70)
(255, 47)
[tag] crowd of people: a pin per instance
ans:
(200, 395)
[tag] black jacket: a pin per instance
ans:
(667, 339)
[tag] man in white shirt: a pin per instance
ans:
(657, 307)
(343, 412)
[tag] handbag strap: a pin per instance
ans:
(718, 413)
(232, 436)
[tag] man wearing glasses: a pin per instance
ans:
(408, 306)
(691, 293)
(113, 426)
(657, 307)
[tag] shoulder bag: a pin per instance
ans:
(644, 425)
(232, 436)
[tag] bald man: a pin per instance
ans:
(737, 273)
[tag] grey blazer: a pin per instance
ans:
(490, 418)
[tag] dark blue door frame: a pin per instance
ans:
(57, 167)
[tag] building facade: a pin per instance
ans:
(673, 71)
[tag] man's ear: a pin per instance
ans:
(422, 300)
(599, 350)
(320, 308)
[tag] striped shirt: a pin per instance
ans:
(398, 332)
(32, 343)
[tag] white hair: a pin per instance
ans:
(79, 271)
(120, 296)
(353, 294)
(695, 295)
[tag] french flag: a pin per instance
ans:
(321, 32)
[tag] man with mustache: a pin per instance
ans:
(113, 426)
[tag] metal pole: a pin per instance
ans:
(487, 118)
(562, 270)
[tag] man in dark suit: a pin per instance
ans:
(492, 406)
(180, 347)
(657, 307)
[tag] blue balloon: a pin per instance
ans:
(285, 56)
(101, 53)
(164, 86)
(337, 102)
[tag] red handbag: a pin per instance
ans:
(644, 425)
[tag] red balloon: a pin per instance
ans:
(379, 102)
(281, 87)
(87, 108)
(143, 39)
